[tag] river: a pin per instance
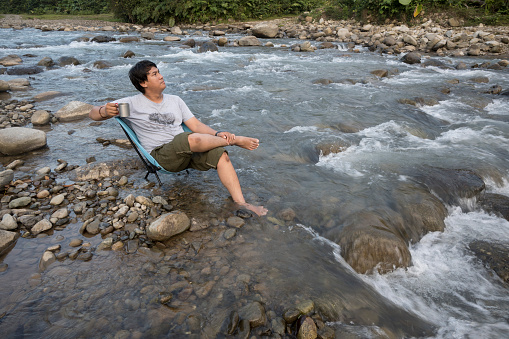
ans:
(270, 93)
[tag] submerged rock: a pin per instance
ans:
(495, 203)
(7, 238)
(494, 256)
(168, 225)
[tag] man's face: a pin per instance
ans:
(154, 81)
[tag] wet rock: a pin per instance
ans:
(235, 222)
(19, 84)
(368, 241)
(93, 227)
(381, 73)
(171, 38)
(5, 178)
(19, 140)
(307, 328)
(10, 60)
(208, 46)
(46, 62)
(128, 54)
(20, 70)
(494, 256)
(249, 41)
(7, 239)
(13, 165)
(47, 259)
(230, 323)
(8, 223)
(144, 201)
(147, 35)
(190, 42)
(75, 110)
(40, 118)
(4, 86)
(42, 226)
(254, 313)
(495, 203)
(76, 242)
(127, 39)
(20, 202)
(103, 39)
(67, 61)
(291, 315)
(29, 220)
(412, 58)
(168, 225)
(265, 30)
(57, 200)
(243, 329)
(102, 64)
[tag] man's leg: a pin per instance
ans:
(230, 180)
(205, 142)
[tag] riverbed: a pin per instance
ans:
(327, 149)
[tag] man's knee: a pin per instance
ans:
(194, 139)
(224, 157)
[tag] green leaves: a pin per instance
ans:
(405, 2)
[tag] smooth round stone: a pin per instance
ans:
(43, 194)
(20, 202)
(76, 242)
(57, 200)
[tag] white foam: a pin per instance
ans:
(302, 129)
(220, 112)
(447, 285)
(498, 106)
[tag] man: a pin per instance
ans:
(156, 119)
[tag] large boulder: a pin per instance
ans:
(168, 225)
(265, 30)
(67, 61)
(495, 203)
(19, 140)
(249, 41)
(103, 38)
(19, 84)
(75, 110)
(494, 256)
(7, 239)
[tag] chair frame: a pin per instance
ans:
(150, 163)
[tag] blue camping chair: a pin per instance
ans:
(150, 163)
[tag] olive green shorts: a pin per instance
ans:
(177, 156)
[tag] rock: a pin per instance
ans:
(41, 226)
(40, 118)
(101, 64)
(20, 202)
(306, 47)
(307, 329)
(168, 225)
(103, 39)
(409, 40)
(47, 259)
(235, 222)
(176, 30)
(288, 214)
(46, 62)
(19, 140)
(128, 54)
(67, 61)
(265, 30)
(57, 200)
(495, 203)
(75, 110)
(7, 239)
(223, 41)
(144, 201)
(171, 38)
(20, 84)
(16, 163)
(93, 227)
(208, 46)
(8, 223)
(494, 256)
(20, 70)
(254, 313)
(5, 178)
(249, 41)
(10, 60)
(76, 242)
(4, 86)
(411, 58)
(60, 213)
(147, 35)
(381, 73)
(453, 22)
(127, 39)
(191, 43)
(46, 96)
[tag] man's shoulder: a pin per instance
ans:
(172, 97)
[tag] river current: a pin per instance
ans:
(271, 94)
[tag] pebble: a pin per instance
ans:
(57, 200)
(76, 242)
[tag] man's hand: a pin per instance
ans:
(228, 136)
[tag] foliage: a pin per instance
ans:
(382, 9)
(192, 11)
(55, 6)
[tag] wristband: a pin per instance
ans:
(102, 116)
(217, 133)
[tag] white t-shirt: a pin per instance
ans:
(156, 124)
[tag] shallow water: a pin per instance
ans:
(269, 93)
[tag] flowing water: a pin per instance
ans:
(270, 93)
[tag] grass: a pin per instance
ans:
(98, 17)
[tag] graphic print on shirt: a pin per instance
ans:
(163, 119)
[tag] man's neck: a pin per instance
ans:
(155, 97)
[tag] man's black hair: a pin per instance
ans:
(138, 73)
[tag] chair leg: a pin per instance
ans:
(159, 180)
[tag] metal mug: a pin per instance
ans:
(123, 110)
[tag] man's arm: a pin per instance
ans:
(104, 112)
(197, 126)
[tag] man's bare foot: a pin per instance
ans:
(246, 142)
(259, 210)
